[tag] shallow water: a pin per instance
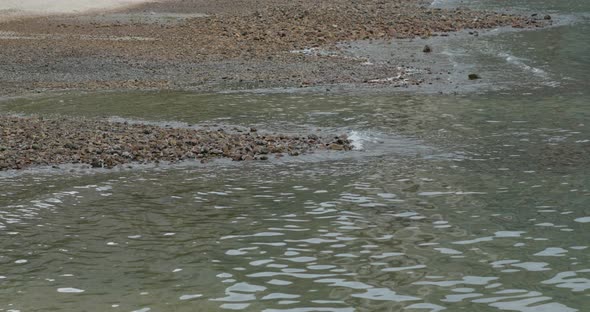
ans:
(477, 202)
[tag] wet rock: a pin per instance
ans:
(547, 17)
(473, 76)
(103, 144)
(96, 163)
(336, 147)
(427, 49)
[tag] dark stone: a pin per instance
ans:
(71, 146)
(473, 76)
(547, 17)
(427, 49)
(95, 163)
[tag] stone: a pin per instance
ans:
(104, 144)
(473, 76)
(95, 163)
(427, 49)
(335, 147)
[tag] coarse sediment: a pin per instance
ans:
(37, 141)
(235, 45)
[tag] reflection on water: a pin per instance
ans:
(484, 208)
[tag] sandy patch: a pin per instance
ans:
(16, 8)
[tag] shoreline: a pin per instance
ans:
(270, 45)
(29, 141)
(266, 46)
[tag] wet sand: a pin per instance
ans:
(224, 45)
(22, 8)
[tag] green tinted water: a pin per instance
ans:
(465, 203)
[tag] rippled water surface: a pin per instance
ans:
(458, 203)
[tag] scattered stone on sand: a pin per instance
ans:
(236, 45)
(34, 141)
(473, 76)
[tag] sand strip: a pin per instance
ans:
(10, 9)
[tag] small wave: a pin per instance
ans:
(511, 59)
(519, 62)
(358, 138)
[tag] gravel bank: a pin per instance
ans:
(220, 45)
(36, 141)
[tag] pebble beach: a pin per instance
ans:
(204, 46)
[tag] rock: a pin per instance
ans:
(547, 17)
(336, 147)
(473, 76)
(427, 49)
(71, 146)
(105, 144)
(95, 163)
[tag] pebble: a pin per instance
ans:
(34, 141)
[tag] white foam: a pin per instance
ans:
(357, 139)
(518, 62)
